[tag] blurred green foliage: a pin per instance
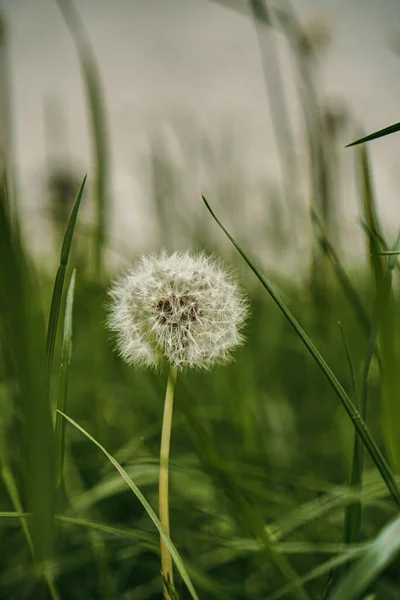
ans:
(262, 452)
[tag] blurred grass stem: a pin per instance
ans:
(166, 561)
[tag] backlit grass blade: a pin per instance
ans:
(66, 353)
(173, 551)
(351, 410)
(97, 116)
(375, 236)
(59, 284)
(378, 555)
(378, 134)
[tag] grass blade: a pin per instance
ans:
(12, 489)
(374, 230)
(378, 134)
(97, 115)
(66, 353)
(174, 553)
(348, 405)
(353, 514)
(378, 555)
(22, 336)
(59, 284)
(387, 321)
(263, 18)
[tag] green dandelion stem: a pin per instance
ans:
(166, 561)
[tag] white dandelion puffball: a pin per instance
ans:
(184, 308)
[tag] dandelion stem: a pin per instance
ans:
(166, 561)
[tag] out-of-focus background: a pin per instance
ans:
(183, 83)
(159, 101)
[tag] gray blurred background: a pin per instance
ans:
(186, 77)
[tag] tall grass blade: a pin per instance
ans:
(23, 333)
(97, 115)
(378, 555)
(374, 230)
(173, 551)
(378, 134)
(7, 169)
(59, 285)
(66, 353)
(263, 18)
(387, 320)
(348, 405)
(352, 530)
(353, 514)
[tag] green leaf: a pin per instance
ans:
(378, 555)
(174, 553)
(66, 353)
(374, 231)
(378, 134)
(348, 405)
(59, 284)
(386, 312)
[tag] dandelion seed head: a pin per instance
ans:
(184, 308)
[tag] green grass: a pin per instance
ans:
(275, 490)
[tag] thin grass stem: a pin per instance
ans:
(166, 561)
(348, 405)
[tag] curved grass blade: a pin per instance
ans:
(59, 284)
(348, 405)
(66, 353)
(97, 115)
(378, 555)
(173, 551)
(378, 134)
